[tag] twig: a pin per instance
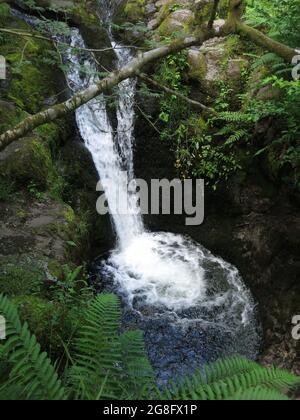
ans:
(191, 102)
(44, 38)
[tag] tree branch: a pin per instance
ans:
(44, 38)
(235, 24)
(81, 98)
(191, 102)
(264, 41)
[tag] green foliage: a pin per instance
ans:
(279, 17)
(72, 288)
(31, 371)
(232, 379)
(4, 9)
(107, 365)
(19, 279)
(171, 74)
(199, 154)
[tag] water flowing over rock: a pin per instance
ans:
(171, 287)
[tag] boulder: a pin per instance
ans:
(178, 21)
(216, 61)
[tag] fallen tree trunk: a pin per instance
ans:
(105, 85)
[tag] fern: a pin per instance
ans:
(98, 352)
(107, 365)
(32, 370)
(267, 59)
(237, 378)
(139, 378)
(234, 117)
(259, 394)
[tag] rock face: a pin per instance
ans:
(216, 60)
(40, 173)
(254, 225)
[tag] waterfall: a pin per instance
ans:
(193, 306)
(161, 274)
(111, 152)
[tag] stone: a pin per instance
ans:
(150, 8)
(178, 21)
(197, 63)
(218, 25)
(153, 24)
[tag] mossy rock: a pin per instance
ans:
(203, 11)
(179, 21)
(198, 65)
(134, 11)
(27, 161)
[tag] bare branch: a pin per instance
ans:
(191, 102)
(44, 38)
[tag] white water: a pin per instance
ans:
(112, 153)
(167, 272)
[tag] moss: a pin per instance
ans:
(203, 11)
(77, 234)
(198, 67)
(20, 277)
(55, 269)
(30, 162)
(134, 10)
(10, 117)
(7, 188)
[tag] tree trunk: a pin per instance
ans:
(235, 24)
(105, 85)
(264, 41)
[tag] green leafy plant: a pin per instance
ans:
(106, 364)
(280, 18)
(72, 288)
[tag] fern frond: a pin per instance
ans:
(259, 394)
(138, 375)
(97, 361)
(234, 117)
(228, 379)
(31, 369)
(236, 137)
(267, 59)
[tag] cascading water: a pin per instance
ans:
(192, 305)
